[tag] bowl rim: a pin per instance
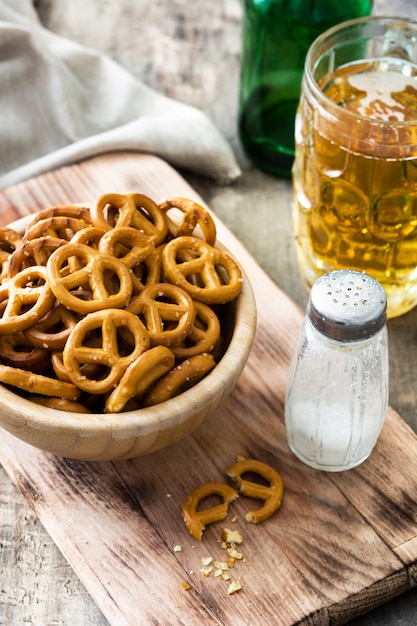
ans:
(133, 422)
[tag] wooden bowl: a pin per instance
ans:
(105, 437)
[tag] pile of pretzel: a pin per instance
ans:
(112, 308)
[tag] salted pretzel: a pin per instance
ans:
(194, 216)
(271, 494)
(78, 351)
(133, 248)
(167, 311)
(195, 520)
(38, 383)
(134, 210)
(61, 227)
(53, 329)
(24, 299)
(220, 274)
(139, 376)
(93, 271)
(203, 336)
(32, 252)
(180, 378)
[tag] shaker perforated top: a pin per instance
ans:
(347, 305)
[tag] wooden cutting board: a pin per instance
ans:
(340, 545)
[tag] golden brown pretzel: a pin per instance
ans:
(203, 336)
(64, 210)
(53, 329)
(168, 313)
(133, 248)
(60, 227)
(194, 216)
(93, 269)
(185, 375)
(37, 383)
(220, 274)
(24, 299)
(79, 352)
(195, 520)
(271, 494)
(139, 376)
(133, 209)
(32, 252)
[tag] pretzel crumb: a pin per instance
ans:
(235, 554)
(221, 565)
(232, 536)
(206, 560)
(185, 586)
(233, 587)
(206, 571)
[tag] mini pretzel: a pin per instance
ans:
(179, 378)
(37, 383)
(53, 329)
(24, 299)
(168, 313)
(203, 336)
(272, 494)
(135, 210)
(133, 248)
(139, 377)
(94, 268)
(194, 215)
(78, 351)
(196, 521)
(32, 252)
(220, 274)
(64, 210)
(61, 227)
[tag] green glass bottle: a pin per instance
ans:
(275, 39)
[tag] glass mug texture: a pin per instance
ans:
(355, 170)
(276, 36)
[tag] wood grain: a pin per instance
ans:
(189, 51)
(340, 544)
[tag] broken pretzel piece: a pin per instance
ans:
(272, 494)
(195, 520)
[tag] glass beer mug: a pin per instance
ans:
(355, 170)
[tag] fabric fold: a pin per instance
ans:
(62, 102)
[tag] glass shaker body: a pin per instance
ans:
(276, 36)
(337, 395)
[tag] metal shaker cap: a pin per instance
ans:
(347, 305)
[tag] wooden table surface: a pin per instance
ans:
(189, 51)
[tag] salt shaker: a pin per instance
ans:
(337, 392)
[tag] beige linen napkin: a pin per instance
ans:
(61, 102)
